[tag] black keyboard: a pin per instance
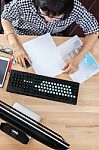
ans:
(43, 87)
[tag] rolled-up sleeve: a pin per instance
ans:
(85, 19)
(11, 11)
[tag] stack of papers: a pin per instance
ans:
(49, 59)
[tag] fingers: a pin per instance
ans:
(66, 66)
(27, 58)
(69, 69)
(21, 61)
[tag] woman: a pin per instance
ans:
(31, 17)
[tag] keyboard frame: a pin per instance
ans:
(74, 102)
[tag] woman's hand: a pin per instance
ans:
(72, 66)
(20, 55)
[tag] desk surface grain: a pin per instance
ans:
(78, 124)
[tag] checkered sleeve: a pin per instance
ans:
(11, 11)
(85, 19)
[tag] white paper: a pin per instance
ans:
(46, 59)
(70, 45)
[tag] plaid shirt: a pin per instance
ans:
(26, 19)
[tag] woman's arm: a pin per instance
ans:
(89, 42)
(19, 52)
(9, 32)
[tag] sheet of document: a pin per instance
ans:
(46, 59)
(87, 68)
(70, 47)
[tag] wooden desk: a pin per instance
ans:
(79, 124)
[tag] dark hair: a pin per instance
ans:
(56, 7)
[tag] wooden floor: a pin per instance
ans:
(78, 124)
